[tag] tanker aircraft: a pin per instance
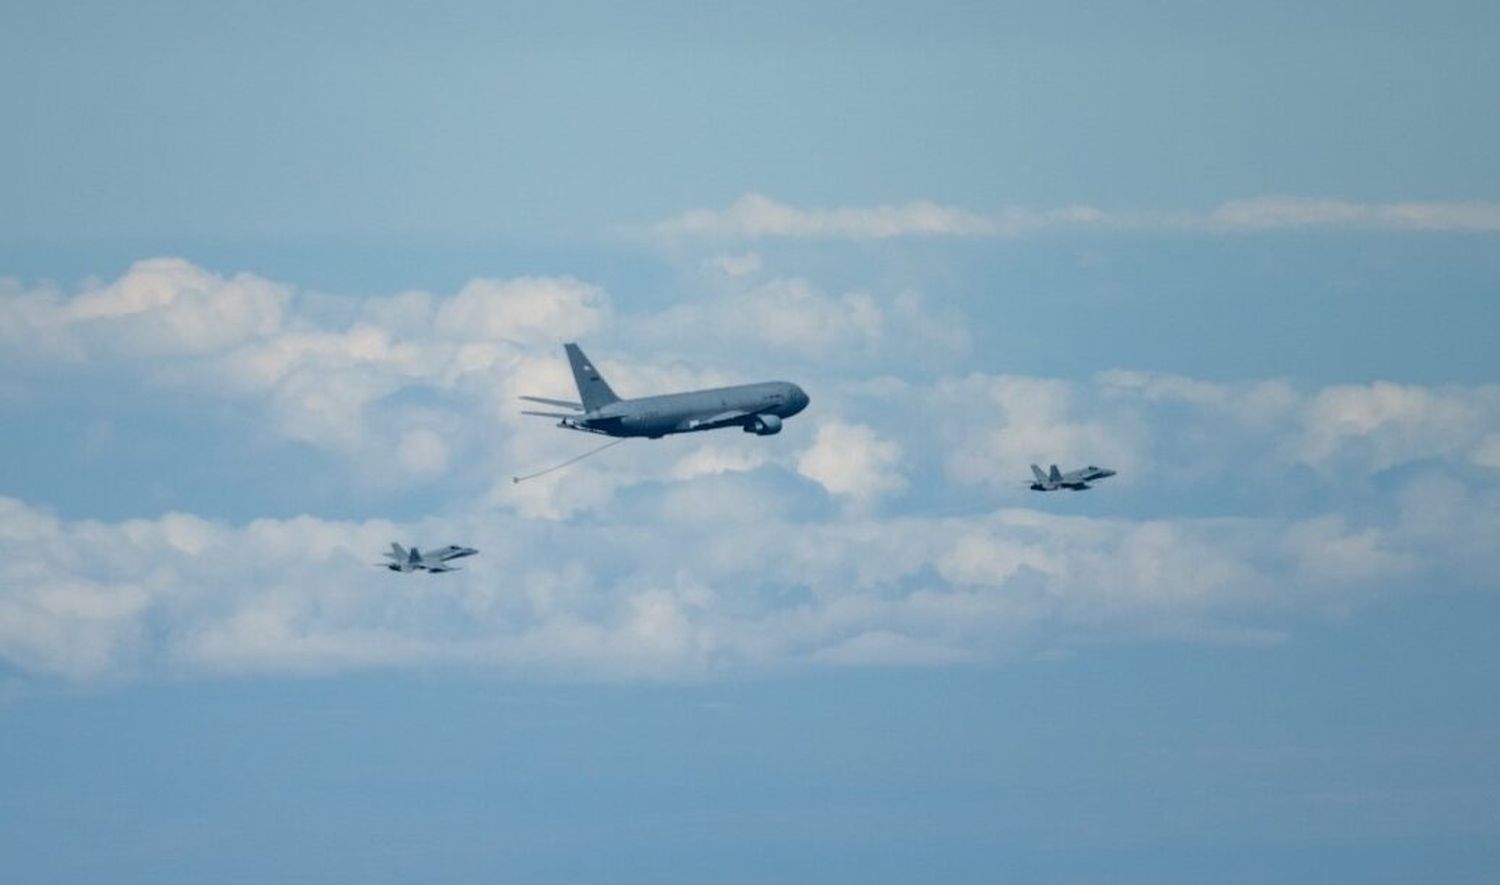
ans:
(755, 408)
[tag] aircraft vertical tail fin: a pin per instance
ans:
(398, 551)
(1037, 472)
(413, 556)
(593, 390)
(1054, 474)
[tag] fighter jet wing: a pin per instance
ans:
(722, 419)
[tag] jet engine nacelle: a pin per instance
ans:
(764, 425)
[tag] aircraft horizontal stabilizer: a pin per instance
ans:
(566, 404)
(550, 414)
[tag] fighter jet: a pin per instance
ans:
(434, 561)
(1073, 480)
(755, 408)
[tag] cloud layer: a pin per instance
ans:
(889, 526)
(721, 579)
(755, 216)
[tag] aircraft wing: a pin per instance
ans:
(723, 419)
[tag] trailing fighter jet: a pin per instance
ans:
(434, 561)
(1073, 480)
(755, 408)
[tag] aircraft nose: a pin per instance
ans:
(800, 399)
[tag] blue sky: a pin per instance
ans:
(273, 275)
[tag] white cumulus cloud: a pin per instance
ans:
(852, 460)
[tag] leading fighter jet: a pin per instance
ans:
(755, 408)
(1073, 480)
(434, 561)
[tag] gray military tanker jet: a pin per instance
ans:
(434, 561)
(1073, 480)
(755, 408)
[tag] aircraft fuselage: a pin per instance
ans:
(758, 408)
(1073, 481)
